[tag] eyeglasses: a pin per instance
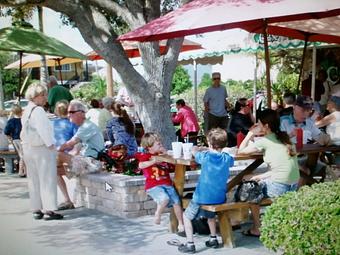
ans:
(72, 112)
(216, 78)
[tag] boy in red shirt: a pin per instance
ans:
(158, 184)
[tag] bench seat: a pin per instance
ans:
(8, 157)
(223, 212)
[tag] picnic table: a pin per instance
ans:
(312, 150)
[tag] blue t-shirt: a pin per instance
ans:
(91, 138)
(216, 97)
(64, 130)
(13, 128)
(212, 184)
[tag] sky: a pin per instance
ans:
(237, 67)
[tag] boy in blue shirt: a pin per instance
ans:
(211, 187)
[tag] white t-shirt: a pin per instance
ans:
(333, 129)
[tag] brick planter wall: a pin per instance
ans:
(127, 198)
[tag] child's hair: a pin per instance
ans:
(217, 138)
(272, 119)
(149, 139)
(123, 117)
(16, 110)
(61, 108)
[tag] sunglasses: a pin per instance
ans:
(72, 112)
(216, 78)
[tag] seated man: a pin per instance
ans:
(300, 118)
(90, 140)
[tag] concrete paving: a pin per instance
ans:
(89, 232)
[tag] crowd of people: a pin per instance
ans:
(69, 145)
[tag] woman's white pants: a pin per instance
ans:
(41, 164)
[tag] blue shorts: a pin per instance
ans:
(274, 189)
(194, 211)
(162, 193)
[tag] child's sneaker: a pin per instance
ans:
(187, 248)
(212, 243)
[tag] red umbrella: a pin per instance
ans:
(259, 16)
(132, 51)
(203, 16)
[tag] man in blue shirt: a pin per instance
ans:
(300, 118)
(215, 104)
(89, 139)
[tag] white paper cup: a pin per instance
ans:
(187, 150)
(176, 149)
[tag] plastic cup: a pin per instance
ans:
(176, 149)
(187, 150)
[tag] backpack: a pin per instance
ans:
(249, 191)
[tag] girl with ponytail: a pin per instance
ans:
(121, 130)
(279, 154)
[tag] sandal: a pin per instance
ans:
(65, 206)
(53, 216)
(249, 233)
(174, 242)
(38, 215)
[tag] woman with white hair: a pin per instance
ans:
(105, 115)
(40, 155)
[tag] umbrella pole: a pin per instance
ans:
(267, 61)
(20, 73)
(302, 63)
(195, 86)
(60, 75)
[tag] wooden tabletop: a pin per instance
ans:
(307, 148)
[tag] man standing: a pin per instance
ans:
(56, 93)
(215, 102)
(188, 120)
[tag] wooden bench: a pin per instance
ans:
(8, 157)
(223, 212)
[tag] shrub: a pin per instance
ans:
(304, 222)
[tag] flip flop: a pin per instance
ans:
(249, 233)
(174, 242)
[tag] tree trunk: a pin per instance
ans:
(43, 68)
(150, 91)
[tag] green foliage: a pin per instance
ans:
(239, 89)
(205, 81)
(285, 82)
(95, 89)
(304, 222)
(180, 81)
(10, 77)
(20, 13)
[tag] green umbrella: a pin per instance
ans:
(29, 40)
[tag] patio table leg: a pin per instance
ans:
(179, 181)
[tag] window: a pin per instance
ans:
(63, 68)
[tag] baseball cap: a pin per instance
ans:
(335, 100)
(304, 101)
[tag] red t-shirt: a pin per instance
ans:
(157, 174)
